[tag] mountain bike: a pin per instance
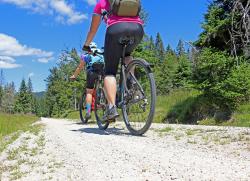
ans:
(136, 95)
(97, 104)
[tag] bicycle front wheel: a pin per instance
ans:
(139, 101)
(82, 108)
(100, 108)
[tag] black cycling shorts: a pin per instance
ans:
(113, 48)
(91, 79)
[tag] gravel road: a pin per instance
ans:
(72, 151)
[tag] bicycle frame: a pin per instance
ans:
(122, 80)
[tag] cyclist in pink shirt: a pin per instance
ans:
(117, 28)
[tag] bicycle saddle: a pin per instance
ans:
(126, 40)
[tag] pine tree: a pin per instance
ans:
(226, 26)
(164, 78)
(22, 102)
(159, 47)
(180, 48)
(30, 95)
(169, 50)
(8, 99)
(183, 73)
(151, 44)
(29, 86)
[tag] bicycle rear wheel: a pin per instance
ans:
(82, 108)
(100, 108)
(139, 102)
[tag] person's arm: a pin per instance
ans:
(95, 23)
(78, 70)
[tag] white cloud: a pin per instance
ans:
(45, 59)
(7, 59)
(31, 74)
(10, 47)
(8, 63)
(58, 8)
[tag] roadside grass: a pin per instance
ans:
(165, 104)
(12, 125)
(72, 115)
(165, 130)
(240, 118)
(188, 107)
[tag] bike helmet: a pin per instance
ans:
(93, 46)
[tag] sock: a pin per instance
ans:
(110, 106)
(88, 108)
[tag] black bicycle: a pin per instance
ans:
(136, 95)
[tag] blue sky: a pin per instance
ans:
(33, 32)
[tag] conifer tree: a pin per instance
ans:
(22, 101)
(159, 47)
(180, 48)
(8, 98)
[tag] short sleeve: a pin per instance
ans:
(85, 58)
(98, 9)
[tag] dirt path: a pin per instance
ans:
(73, 151)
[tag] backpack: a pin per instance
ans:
(130, 8)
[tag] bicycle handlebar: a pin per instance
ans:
(96, 52)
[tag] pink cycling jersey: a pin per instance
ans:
(103, 5)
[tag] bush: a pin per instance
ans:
(220, 80)
(236, 88)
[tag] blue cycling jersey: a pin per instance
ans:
(91, 59)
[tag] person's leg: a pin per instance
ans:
(112, 54)
(136, 31)
(110, 89)
(89, 97)
(91, 77)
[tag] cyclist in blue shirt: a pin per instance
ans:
(88, 60)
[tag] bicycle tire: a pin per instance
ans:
(150, 117)
(100, 105)
(82, 108)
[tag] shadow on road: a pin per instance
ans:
(109, 131)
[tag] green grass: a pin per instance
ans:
(73, 115)
(241, 118)
(165, 104)
(166, 130)
(11, 124)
